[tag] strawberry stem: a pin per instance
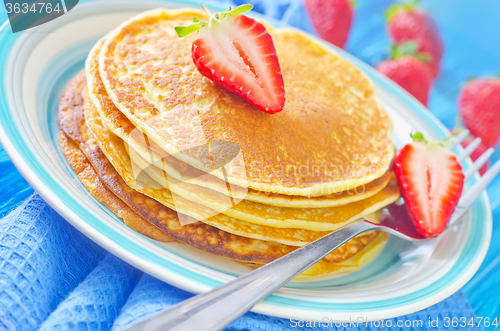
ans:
(206, 10)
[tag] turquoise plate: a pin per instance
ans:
(405, 278)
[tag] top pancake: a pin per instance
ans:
(332, 135)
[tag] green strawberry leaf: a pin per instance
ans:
(236, 11)
(183, 31)
(417, 137)
(423, 57)
(409, 48)
(391, 12)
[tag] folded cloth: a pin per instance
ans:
(96, 302)
(149, 296)
(152, 295)
(42, 258)
(53, 277)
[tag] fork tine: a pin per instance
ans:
(471, 195)
(459, 138)
(479, 163)
(469, 149)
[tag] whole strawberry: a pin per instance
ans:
(237, 53)
(479, 106)
(408, 71)
(431, 183)
(407, 23)
(331, 19)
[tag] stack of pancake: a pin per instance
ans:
(180, 159)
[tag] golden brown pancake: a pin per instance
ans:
(332, 123)
(203, 204)
(115, 152)
(71, 103)
(88, 178)
(347, 258)
(114, 119)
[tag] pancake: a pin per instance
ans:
(87, 177)
(114, 151)
(203, 204)
(288, 236)
(173, 167)
(209, 239)
(349, 257)
(332, 125)
(258, 213)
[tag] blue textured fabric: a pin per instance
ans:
(42, 258)
(96, 302)
(53, 277)
(152, 295)
(149, 296)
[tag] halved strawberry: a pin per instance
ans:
(238, 54)
(431, 182)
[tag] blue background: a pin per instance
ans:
(471, 34)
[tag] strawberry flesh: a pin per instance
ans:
(431, 182)
(238, 54)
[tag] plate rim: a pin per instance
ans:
(270, 306)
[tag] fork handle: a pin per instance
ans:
(216, 309)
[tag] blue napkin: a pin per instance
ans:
(151, 295)
(42, 259)
(54, 278)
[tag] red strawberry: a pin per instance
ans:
(406, 23)
(408, 71)
(331, 19)
(479, 106)
(477, 153)
(238, 54)
(431, 182)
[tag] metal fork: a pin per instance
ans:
(216, 309)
